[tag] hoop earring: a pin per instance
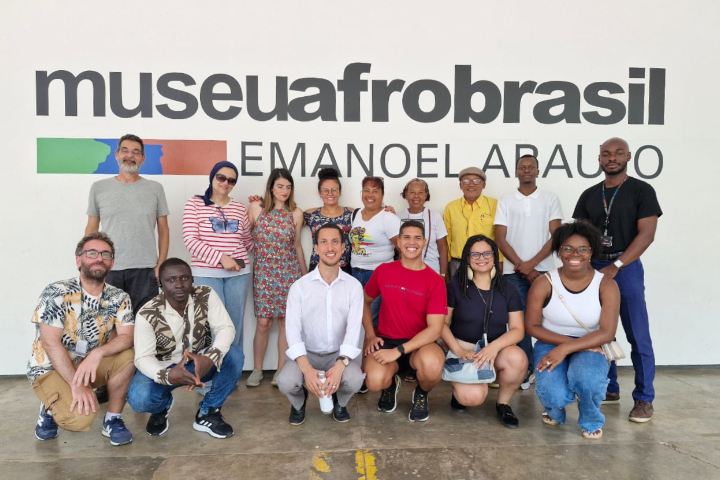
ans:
(470, 273)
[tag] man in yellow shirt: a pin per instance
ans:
(472, 214)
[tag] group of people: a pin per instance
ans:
(385, 293)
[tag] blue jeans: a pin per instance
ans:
(233, 293)
(364, 277)
(635, 322)
(146, 396)
(581, 373)
(523, 285)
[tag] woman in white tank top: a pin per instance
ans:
(569, 360)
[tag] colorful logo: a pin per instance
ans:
(97, 155)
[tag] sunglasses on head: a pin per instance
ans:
(222, 179)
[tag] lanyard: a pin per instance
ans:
(609, 207)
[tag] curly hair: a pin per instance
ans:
(582, 229)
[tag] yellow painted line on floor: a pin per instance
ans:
(319, 465)
(365, 465)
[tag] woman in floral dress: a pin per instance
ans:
(279, 261)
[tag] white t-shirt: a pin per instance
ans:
(434, 231)
(527, 219)
(370, 241)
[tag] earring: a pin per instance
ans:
(470, 273)
(493, 271)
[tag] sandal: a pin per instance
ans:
(549, 421)
(596, 435)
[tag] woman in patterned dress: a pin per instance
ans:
(279, 261)
(330, 189)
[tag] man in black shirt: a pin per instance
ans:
(626, 211)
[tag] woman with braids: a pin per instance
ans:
(569, 361)
(476, 288)
(330, 189)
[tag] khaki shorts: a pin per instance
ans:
(56, 394)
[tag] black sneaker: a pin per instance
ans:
(297, 417)
(158, 422)
(506, 415)
(101, 393)
(388, 397)
(420, 411)
(340, 414)
(363, 388)
(213, 423)
(456, 406)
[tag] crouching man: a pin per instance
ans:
(83, 340)
(323, 320)
(175, 348)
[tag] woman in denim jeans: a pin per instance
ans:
(569, 361)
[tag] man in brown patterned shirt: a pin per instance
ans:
(175, 347)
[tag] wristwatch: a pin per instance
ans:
(345, 360)
(618, 263)
(401, 349)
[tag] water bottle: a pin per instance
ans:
(326, 402)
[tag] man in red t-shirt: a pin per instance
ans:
(412, 316)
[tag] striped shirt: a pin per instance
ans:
(210, 231)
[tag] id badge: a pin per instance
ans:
(606, 241)
(81, 348)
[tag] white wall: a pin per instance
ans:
(43, 215)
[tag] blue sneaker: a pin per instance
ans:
(46, 428)
(115, 429)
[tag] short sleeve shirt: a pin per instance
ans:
(409, 296)
(634, 201)
(370, 240)
(434, 231)
(81, 316)
(128, 214)
(468, 315)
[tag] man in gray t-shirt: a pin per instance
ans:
(129, 208)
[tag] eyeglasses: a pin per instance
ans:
(222, 179)
(477, 255)
(94, 254)
(567, 249)
(135, 153)
(328, 191)
(182, 278)
(474, 181)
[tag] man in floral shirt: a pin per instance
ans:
(83, 340)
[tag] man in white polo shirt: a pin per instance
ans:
(524, 223)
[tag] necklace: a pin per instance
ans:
(482, 298)
(565, 278)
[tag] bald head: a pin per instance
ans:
(614, 141)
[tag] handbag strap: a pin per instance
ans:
(547, 275)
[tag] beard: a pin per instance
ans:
(94, 273)
(129, 167)
(616, 172)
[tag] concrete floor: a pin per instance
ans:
(682, 440)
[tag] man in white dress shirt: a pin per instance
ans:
(323, 326)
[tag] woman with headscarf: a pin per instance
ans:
(216, 232)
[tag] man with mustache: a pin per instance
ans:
(626, 211)
(83, 340)
(130, 207)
